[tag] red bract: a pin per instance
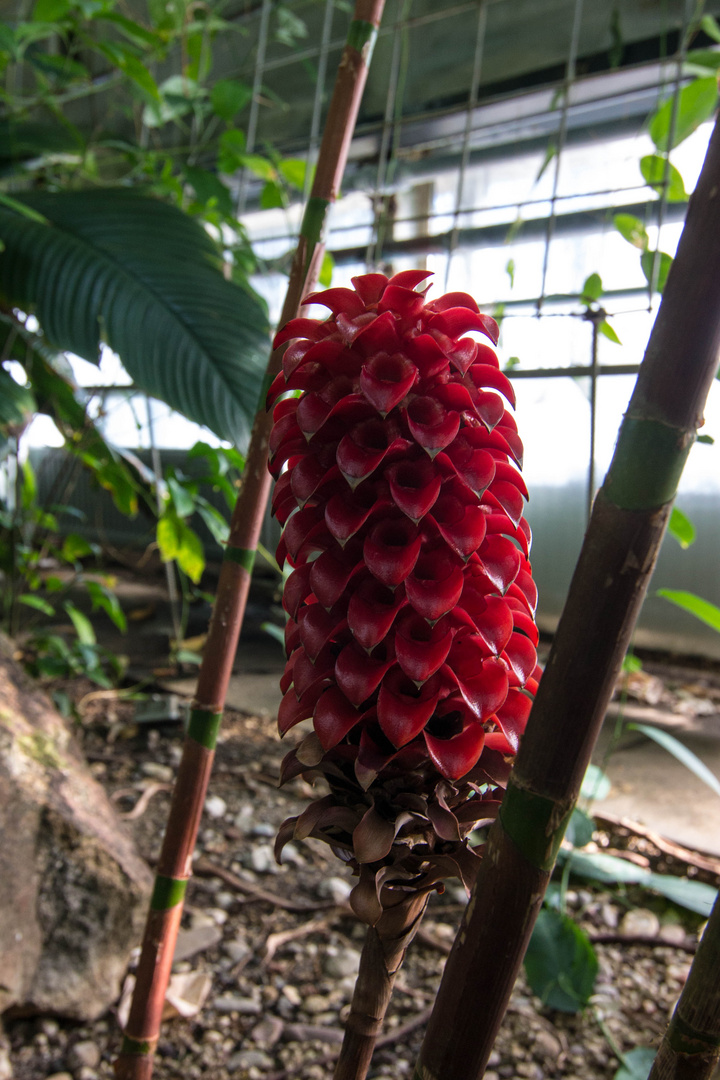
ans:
(411, 635)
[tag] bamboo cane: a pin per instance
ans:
(135, 1061)
(690, 1049)
(616, 561)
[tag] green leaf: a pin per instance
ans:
(208, 188)
(696, 103)
(214, 520)
(83, 626)
(653, 169)
(681, 753)
(607, 331)
(17, 403)
(636, 1064)
(133, 30)
(293, 170)
(658, 263)
(168, 536)
(231, 152)
(290, 29)
(550, 153)
(701, 62)
(709, 25)
(50, 11)
(228, 97)
(75, 547)
(272, 196)
(37, 602)
(701, 609)
(681, 527)
(610, 870)
(103, 598)
(187, 656)
(120, 55)
(510, 271)
(183, 499)
(274, 631)
(707, 440)
(191, 555)
(176, 97)
(560, 962)
(596, 784)
(580, 829)
(148, 279)
(591, 290)
(326, 270)
(631, 664)
(260, 166)
(632, 229)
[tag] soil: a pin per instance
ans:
(276, 947)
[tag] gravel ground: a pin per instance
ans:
(275, 949)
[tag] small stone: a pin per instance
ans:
(60, 1076)
(215, 806)
(609, 916)
(315, 1004)
(292, 856)
(157, 771)
(342, 962)
(267, 1032)
(243, 819)
(197, 939)
(248, 1059)
(640, 923)
(49, 1027)
(547, 1045)
(6, 1069)
(84, 1053)
(262, 859)
(292, 994)
(225, 900)
(336, 889)
(86, 1073)
(673, 933)
(218, 916)
(262, 828)
(237, 950)
(242, 1005)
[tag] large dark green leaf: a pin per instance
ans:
(560, 962)
(16, 402)
(140, 275)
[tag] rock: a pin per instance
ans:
(157, 771)
(336, 889)
(86, 1073)
(342, 962)
(291, 994)
(640, 923)
(262, 859)
(267, 1032)
(247, 1059)
(237, 950)
(315, 1004)
(609, 916)
(225, 900)
(673, 933)
(73, 889)
(262, 828)
(61, 1076)
(83, 1053)
(215, 806)
(242, 1005)
(6, 1069)
(197, 939)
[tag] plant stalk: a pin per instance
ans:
(690, 1049)
(135, 1061)
(617, 558)
(383, 953)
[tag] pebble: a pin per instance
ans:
(84, 1053)
(315, 1004)
(243, 1005)
(640, 923)
(86, 1073)
(336, 889)
(215, 806)
(6, 1069)
(547, 1044)
(197, 939)
(61, 1076)
(262, 859)
(157, 771)
(292, 994)
(673, 933)
(49, 1027)
(262, 828)
(243, 818)
(609, 916)
(267, 1032)
(342, 962)
(225, 900)
(248, 1059)
(237, 950)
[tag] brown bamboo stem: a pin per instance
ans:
(135, 1061)
(617, 558)
(690, 1049)
(383, 953)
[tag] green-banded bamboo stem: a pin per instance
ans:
(383, 953)
(690, 1049)
(135, 1061)
(617, 558)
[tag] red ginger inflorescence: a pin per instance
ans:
(410, 634)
